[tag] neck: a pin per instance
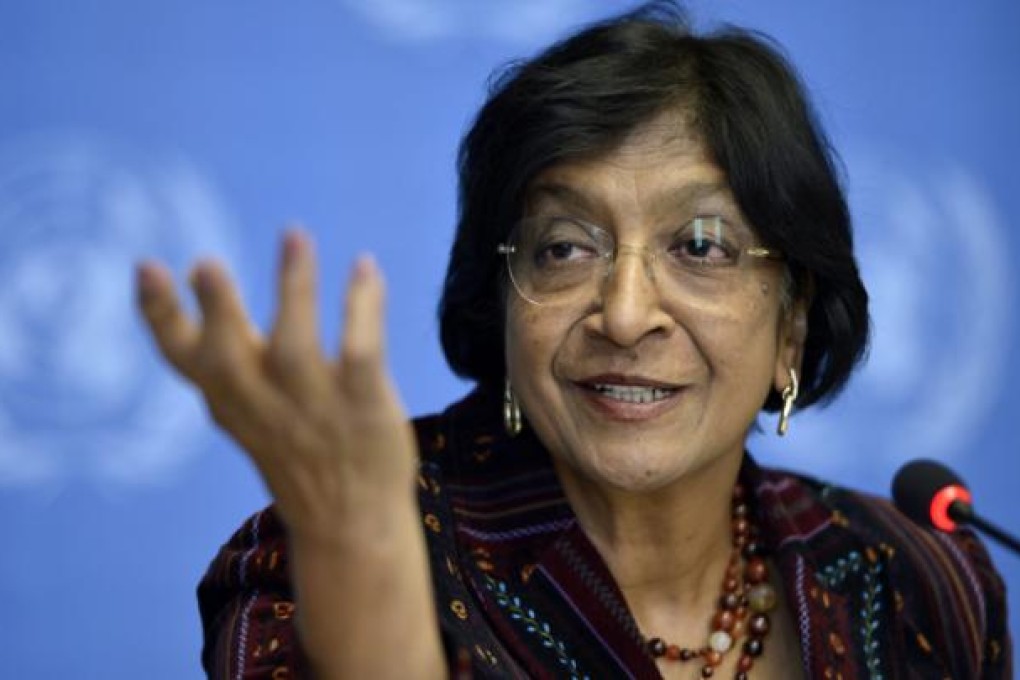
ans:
(667, 549)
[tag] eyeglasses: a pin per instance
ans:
(554, 259)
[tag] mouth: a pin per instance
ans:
(629, 397)
(633, 394)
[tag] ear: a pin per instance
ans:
(793, 330)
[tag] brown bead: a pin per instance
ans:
(752, 549)
(754, 647)
(756, 570)
(758, 625)
(745, 663)
(713, 658)
(738, 492)
(740, 526)
(723, 620)
(740, 510)
(730, 601)
(730, 585)
(672, 652)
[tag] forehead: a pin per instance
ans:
(661, 165)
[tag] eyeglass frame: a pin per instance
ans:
(508, 249)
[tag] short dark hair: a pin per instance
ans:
(582, 96)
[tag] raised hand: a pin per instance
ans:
(332, 443)
(328, 436)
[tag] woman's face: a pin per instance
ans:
(646, 379)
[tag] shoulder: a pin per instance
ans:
(246, 605)
(945, 591)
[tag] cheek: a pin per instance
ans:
(529, 340)
(743, 338)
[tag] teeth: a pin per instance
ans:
(634, 394)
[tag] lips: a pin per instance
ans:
(633, 394)
(628, 397)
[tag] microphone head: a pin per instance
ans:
(925, 490)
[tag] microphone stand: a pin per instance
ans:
(963, 513)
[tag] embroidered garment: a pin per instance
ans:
(522, 592)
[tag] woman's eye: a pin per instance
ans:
(703, 241)
(562, 251)
(563, 241)
(703, 249)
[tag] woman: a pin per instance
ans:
(652, 247)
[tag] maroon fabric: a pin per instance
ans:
(521, 591)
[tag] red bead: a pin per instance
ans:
(758, 626)
(730, 585)
(745, 663)
(723, 620)
(740, 526)
(673, 652)
(712, 657)
(756, 570)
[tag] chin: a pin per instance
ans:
(635, 474)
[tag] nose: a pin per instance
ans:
(631, 304)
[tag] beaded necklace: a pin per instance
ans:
(742, 610)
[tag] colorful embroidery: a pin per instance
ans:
(834, 575)
(532, 625)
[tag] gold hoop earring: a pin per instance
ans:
(512, 420)
(789, 396)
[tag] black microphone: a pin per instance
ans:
(932, 495)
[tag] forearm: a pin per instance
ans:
(364, 600)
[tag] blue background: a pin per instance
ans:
(134, 128)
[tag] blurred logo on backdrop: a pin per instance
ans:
(81, 392)
(521, 21)
(934, 256)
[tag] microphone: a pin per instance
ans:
(932, 495)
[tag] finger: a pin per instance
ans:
(362, 371)
(228, 341)
(294, 356)
(176, 335)
(229, 369)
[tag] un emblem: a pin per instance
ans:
(930, 245)
(522, 21)
(80, 392)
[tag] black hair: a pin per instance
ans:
(582, 96)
